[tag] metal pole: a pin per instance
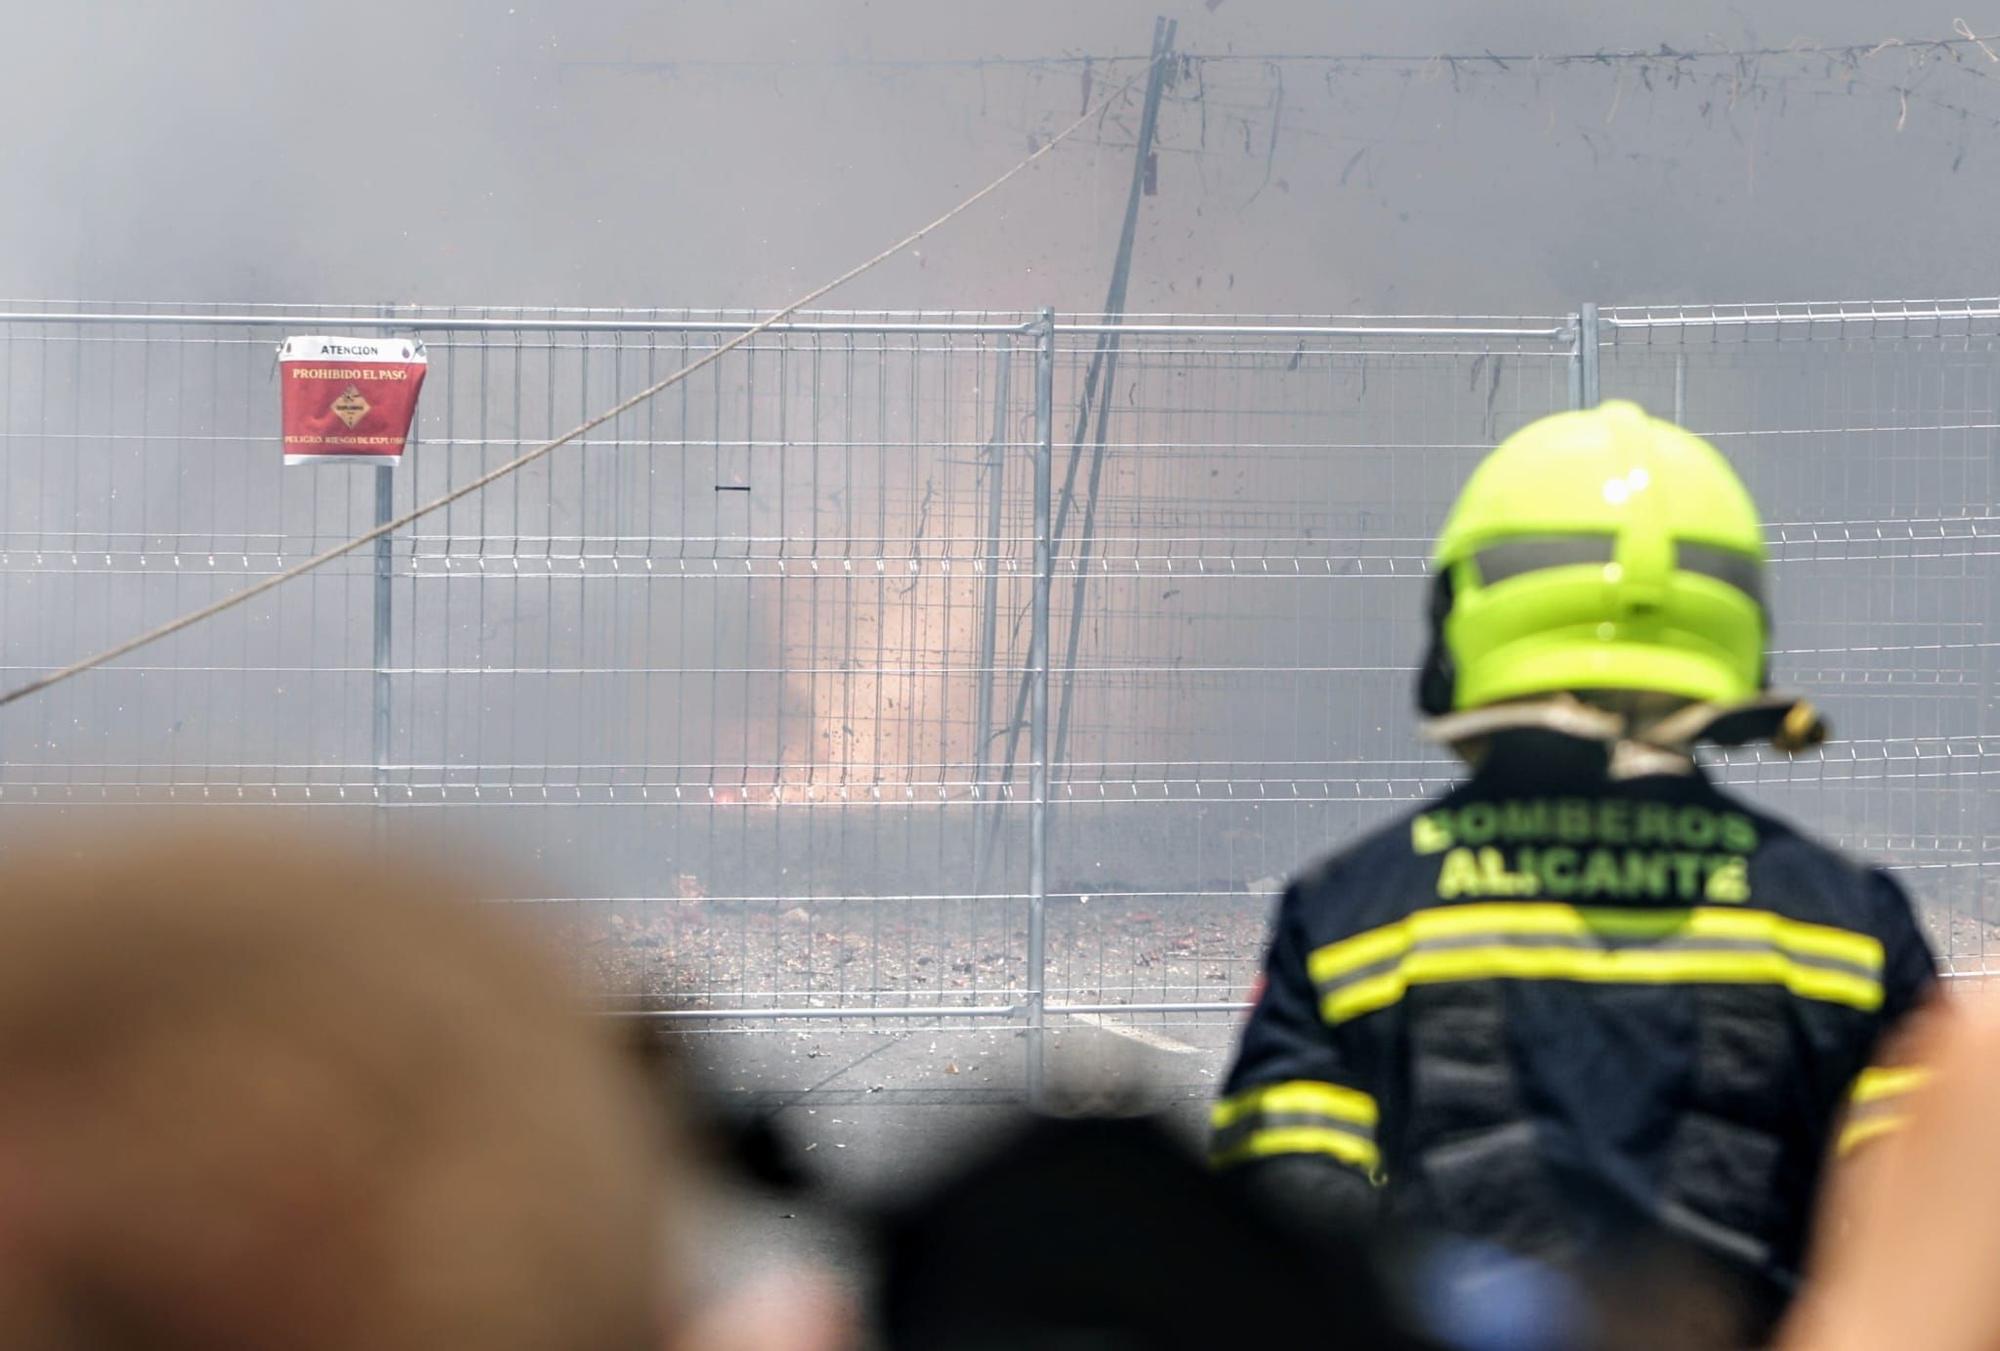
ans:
(1575, 336)
(1680, 389)
(380, 696)
(1038, 714)
(1104, 364)
(385, 510)
(1587, 333)
(989, 608)
(1109, 333)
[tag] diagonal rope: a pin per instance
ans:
(527, 458)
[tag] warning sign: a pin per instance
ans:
(349, 399)
(351, 406)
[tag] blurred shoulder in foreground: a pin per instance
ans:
(1907, 1239)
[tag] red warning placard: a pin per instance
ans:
(349, 399)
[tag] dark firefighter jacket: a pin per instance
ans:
(1558, 1012)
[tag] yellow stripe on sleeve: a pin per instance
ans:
(1858, 1133)
(1297, 1097)
(1873, 1085)
(1348, 1148)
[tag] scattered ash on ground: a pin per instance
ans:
(1103, 948)
(860, 951)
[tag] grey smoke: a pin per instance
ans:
(497, 152)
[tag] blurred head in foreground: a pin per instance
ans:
(258, 1094)
(1110, 1235)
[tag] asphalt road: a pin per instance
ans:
(870, 1116)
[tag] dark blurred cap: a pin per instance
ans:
(1107, 1235)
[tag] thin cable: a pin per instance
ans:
(1846, 51)
(527, 458)
(1849, 51)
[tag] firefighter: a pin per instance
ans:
(1585, 1007)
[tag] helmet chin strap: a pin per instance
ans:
(1640, 744)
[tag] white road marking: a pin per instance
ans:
(1151, 1040)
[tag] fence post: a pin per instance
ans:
(1586, 347)
(385, 499)
(381, 695)
(1574, 333)
(1038, 707)
(989, 611)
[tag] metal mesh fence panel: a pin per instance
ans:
(720, 667)
(1867, 433)
(1238, 609)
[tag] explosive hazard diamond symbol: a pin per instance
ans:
(350, 407)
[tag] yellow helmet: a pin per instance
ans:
(1594, 550)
